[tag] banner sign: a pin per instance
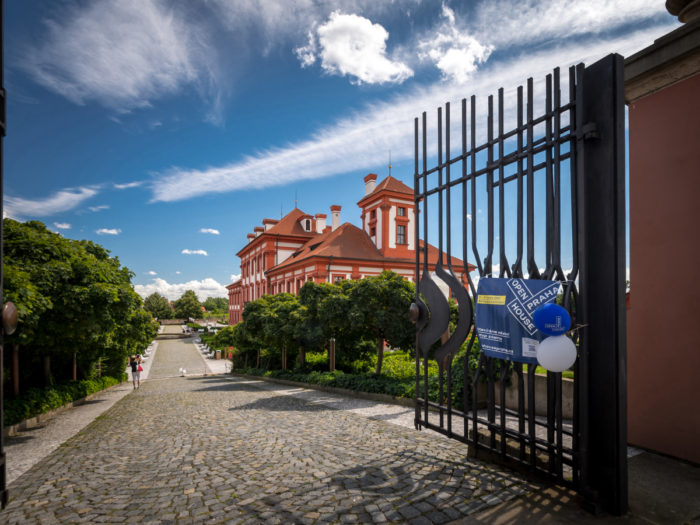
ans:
(503, 317)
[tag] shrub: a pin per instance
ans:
(37, 401)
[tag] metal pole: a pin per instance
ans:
(601, 250)
(3, 478)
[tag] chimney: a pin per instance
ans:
(370, 183)
(335, 214)
(320, 222)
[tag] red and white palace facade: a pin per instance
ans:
(281, 255)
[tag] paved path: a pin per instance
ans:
(215, 449)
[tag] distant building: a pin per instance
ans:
(281, 255)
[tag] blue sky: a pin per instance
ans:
(167, 130)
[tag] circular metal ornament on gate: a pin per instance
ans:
(9, 317)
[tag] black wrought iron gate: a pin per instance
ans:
(542, 199)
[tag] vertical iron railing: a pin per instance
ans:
(542, 220)
(3, 105)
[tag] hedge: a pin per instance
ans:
(36, 401)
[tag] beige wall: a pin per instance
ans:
(663, 321)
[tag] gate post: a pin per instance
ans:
(601, 253)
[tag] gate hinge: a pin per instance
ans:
(588, 131)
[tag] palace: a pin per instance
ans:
(281, 255)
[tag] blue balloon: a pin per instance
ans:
(552, 319)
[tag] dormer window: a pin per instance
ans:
(307, 222)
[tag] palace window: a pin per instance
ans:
(402, 211)
(400, 234)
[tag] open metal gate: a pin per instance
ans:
(541, 199)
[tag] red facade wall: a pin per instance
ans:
(663, 340)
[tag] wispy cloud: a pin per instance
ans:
(151, 272)
(194, 252)
(128, 185)
(99, 208)
(455, 53)
(234, 277)
(209, 230)
(62, 225)
(351, 45)
(356, 142)
(108, 231)
(508, 23)
(61, 201)
(205, 288)
(87, 56)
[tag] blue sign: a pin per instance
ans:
(504, 316)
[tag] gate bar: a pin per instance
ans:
(601, 223)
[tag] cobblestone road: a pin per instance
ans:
(216, 449)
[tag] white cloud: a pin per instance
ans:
(61, 201)
(172, 291)
(307, 54)
(151, 272)
(452, 50)
(124, 55)
(62, 225)
(356, 142)
(178, 273)
(194, 252)
(352, 45)
(209, 230)
(234, 277)
(99, 208)
(108, 231)
(128, 185)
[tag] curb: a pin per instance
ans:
(32, 422)
(381, 398)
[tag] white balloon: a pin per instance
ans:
(556, 353)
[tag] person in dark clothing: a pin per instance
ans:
(135, 362)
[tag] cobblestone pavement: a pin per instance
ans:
(214, 449)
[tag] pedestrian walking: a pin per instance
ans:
(136, 369)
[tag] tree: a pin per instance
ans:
(158, 305)
(327, 312)
(76, 303)
(188, 306)
(380, 306)
(215, 304)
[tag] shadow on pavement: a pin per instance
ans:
(283, 403)
(398, 487)
(222, 384)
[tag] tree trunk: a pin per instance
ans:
(47, 369)
(331, 355)
(284, 358)
(257, 362)
(380, 355)
(245, 361)
(302, 356)
(15, 370)
(75, 366)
